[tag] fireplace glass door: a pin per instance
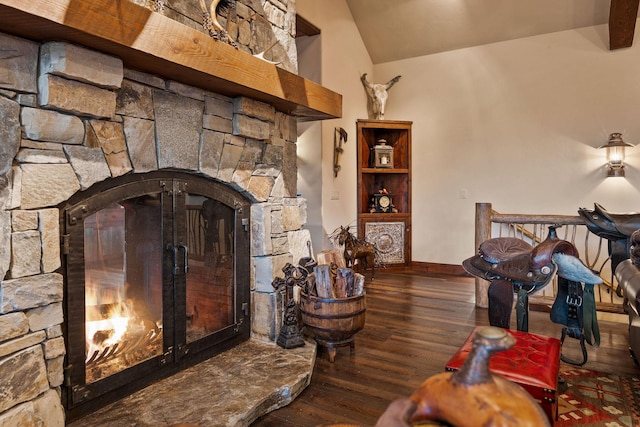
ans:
(123, 286)
(157, 275)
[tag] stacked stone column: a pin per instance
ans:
(71, 117)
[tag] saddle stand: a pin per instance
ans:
(513, 266)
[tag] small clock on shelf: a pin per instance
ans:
(381, 202)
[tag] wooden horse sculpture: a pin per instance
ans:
(513, 266)
(209, 17)
(357, 250)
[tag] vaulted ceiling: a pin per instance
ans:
(398, 29)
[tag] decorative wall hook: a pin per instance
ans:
(339, 138)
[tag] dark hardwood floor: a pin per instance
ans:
(414, 324)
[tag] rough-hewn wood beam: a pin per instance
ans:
(622, 23)
(153, 43)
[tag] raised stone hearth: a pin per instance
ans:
(71, 117)
(229, 390)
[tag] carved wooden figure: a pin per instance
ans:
(472, 396)
(357, 250)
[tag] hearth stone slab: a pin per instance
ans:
(232, 389)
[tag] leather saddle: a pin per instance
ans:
(517, 261)
(610, 225)
(617, 228)
(513, 266)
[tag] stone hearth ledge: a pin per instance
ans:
(232, 389)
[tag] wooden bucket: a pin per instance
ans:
(332, 322)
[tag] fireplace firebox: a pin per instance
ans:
(157, 279)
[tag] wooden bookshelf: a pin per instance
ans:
(391, 230)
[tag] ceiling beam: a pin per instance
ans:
(622, 23)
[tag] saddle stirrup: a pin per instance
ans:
(573, 333)
(575, 326)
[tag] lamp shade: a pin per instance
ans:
(615, 154)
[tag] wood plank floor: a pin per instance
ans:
(414, 325)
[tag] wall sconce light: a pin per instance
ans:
(615, 154)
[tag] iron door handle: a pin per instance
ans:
(174, 251)
(185, 257)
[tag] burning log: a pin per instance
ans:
(100, 337)
(127, 346)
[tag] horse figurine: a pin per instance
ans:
(357, 250)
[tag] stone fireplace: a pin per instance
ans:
(78, 126)
(156, 278)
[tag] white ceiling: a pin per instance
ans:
(398, 29)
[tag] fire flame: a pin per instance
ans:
(105, 327)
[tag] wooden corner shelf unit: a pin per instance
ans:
(389, 228)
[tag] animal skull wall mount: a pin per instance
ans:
(378, 95)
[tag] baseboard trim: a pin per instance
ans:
(435, 268)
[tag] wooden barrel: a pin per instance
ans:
(333, 321)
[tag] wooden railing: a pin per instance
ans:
(533, 229)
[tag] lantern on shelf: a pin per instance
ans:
(615, 154)
(383, 155)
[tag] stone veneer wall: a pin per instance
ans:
(256, 25)
(71, 117)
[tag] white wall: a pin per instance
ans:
(344, 60)
(515, 124)
(309, 146)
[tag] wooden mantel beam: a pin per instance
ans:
(153, 43)
(622, 23)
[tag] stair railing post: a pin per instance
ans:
(484, 213)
